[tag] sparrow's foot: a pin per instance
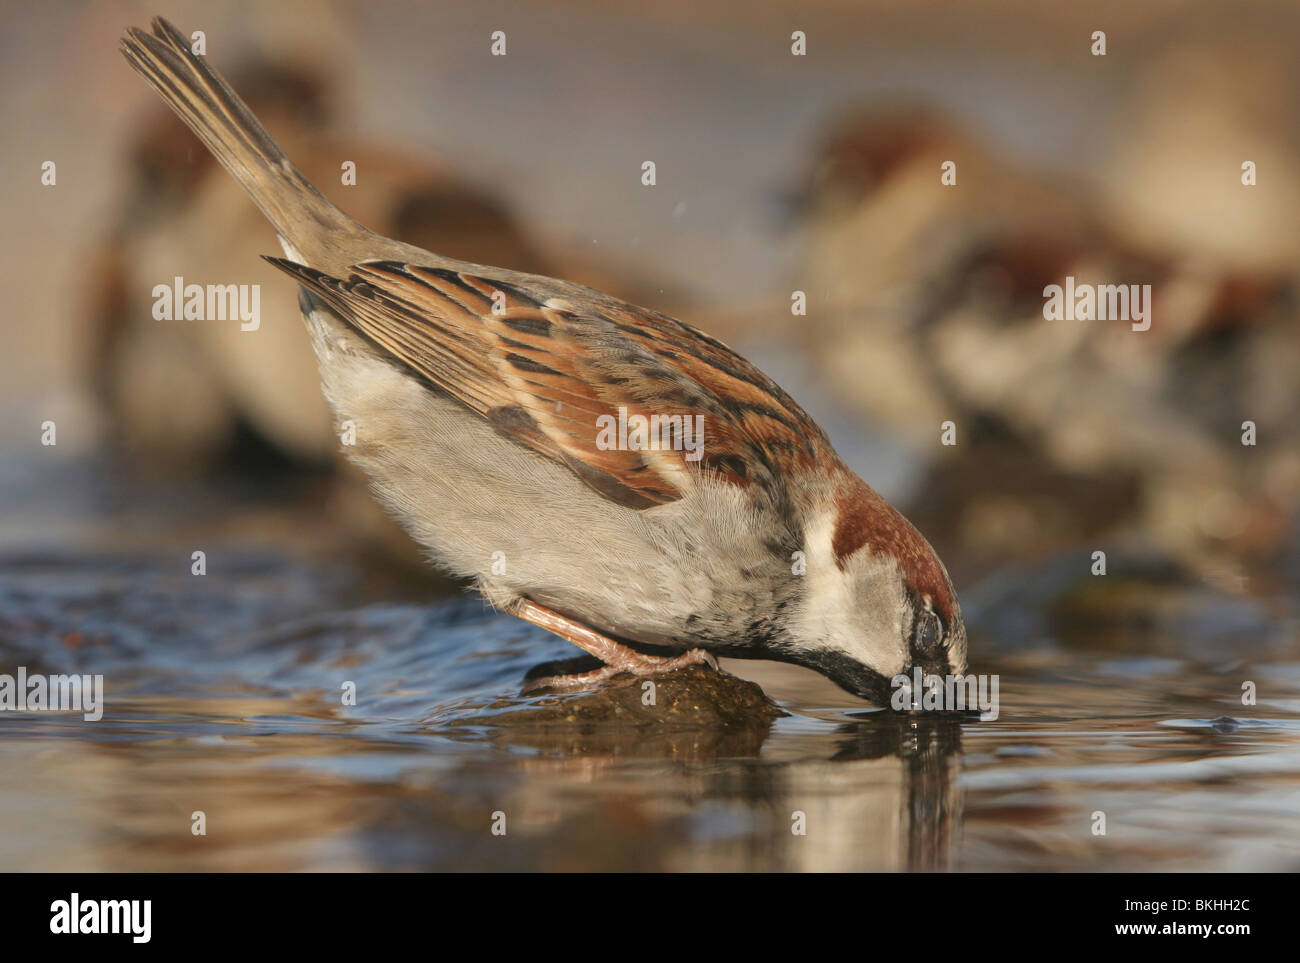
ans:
(618, 658)
(640, 665)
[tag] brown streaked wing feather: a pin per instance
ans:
(543, 373)
(761, 411)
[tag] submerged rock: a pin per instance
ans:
(694, 713)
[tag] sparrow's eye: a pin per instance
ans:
(927, 635)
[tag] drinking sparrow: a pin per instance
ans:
(482, 400)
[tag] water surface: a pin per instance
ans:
(224, 696)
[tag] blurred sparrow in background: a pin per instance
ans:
(926, 304)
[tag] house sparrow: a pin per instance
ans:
(483, 401)
(927, 304)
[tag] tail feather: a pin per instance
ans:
(221, 119)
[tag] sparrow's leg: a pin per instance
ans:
(616, 656)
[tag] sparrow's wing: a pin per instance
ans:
(565, 378)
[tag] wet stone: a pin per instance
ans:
(696, 712)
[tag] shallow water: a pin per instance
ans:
(224, 696)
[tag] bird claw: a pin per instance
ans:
(635, 664)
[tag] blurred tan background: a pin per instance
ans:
(774, 174)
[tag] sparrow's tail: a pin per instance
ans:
(202, 99)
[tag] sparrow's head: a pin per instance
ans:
(875, 601)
